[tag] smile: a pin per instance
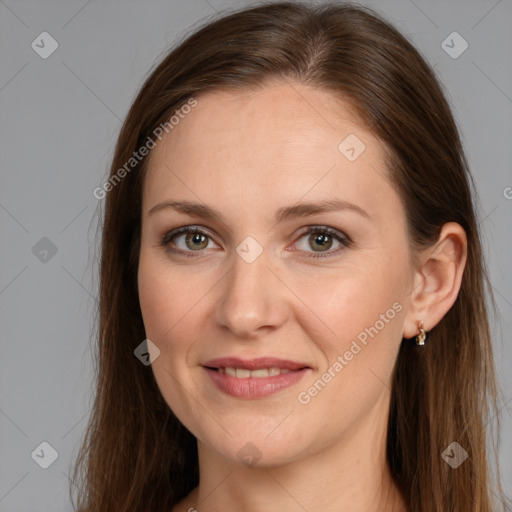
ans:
(243, 373)
(255, 378)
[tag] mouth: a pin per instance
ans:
(244, 373)
(254, 378)
(237, 367)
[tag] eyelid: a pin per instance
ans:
(193, 228)
(340, 236)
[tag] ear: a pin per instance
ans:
(437, 280)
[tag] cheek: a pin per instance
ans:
(167, 305)
(346, 303)
(361, 312)
(165, 298)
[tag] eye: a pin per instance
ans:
(192, 239)
(321, 237)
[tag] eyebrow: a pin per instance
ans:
(282, 214)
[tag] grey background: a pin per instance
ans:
(59, 121)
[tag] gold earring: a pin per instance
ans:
(420, 338)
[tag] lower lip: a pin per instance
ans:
(254, 387)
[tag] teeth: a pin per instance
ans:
(258, 373)
(243, 373)
(230, 371)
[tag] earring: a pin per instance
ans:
(420, 338)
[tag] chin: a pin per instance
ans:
(255, 451)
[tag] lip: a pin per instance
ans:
(254, 387)
(255, 364)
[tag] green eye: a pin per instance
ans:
(319, 238)
(195, 239)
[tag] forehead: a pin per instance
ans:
(272, 145)
(271, 120)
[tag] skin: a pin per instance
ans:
(246, 154)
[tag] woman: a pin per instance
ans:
(292, 309)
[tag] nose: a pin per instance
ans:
(252, 299)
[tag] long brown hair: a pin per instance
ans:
(136, 455)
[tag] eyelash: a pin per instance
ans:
(325, 230)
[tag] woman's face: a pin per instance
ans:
(320, 315)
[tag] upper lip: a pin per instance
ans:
(254, 364)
